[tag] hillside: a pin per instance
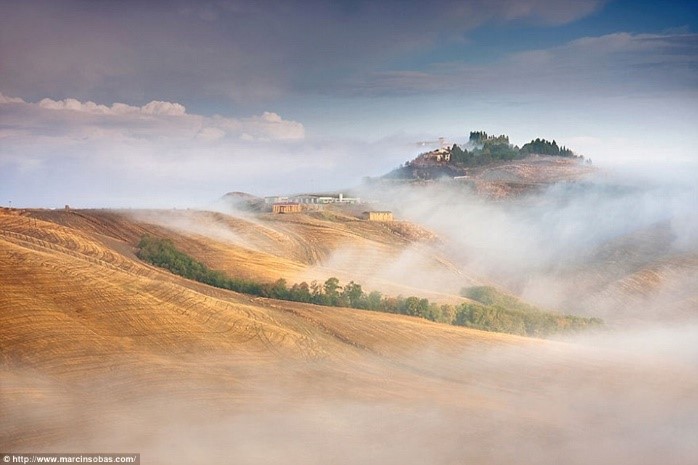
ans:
(76, 304)
(493, 167)
(99, 351)
(497, 179)
(637, 278)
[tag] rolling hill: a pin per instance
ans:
(99, 351)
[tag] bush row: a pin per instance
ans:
(492, 312)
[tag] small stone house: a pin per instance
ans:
(286, 207)
(378, 216)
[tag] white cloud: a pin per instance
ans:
(163, 108)
(270, 117)
(90, 154)
(5, 99)
(72, 118)
(272, 126)
(155, 107)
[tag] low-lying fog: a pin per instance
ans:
(622, 247)
(580, 246)
(629, 398)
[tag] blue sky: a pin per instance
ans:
(175, 103)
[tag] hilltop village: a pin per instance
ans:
(481, 150)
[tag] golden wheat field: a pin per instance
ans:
(100, 351)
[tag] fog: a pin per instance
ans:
(632, 398)
(563, 245)
(622, 245)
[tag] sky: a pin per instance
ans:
(174, 103)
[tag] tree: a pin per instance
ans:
(331, 288)
(459, 155)
(373, 301)
(331, 285)
(278, 290)
(317, 294)
(478, 137)
(415, 306)
(300, 292)
(544, 147)
(448, 314)
(354, 294)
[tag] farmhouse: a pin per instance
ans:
(275, 199)
(319, 199)
(441, 154)
(313, 199)
(286, 207)
(378, 216)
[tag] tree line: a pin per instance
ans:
(488, 148)
(490, 311)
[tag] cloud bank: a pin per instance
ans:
(154, 118)
(159, 154)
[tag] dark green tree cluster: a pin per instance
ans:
(332, 293)
(496, 311)
(495, 148)
(481, 137)
(487, 150)
(163, 253)
(493, 312)
(461, 156)
(498, 148)
(329, 293)
(544, 147)
(478, 137)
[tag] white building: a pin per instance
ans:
(324, 199)
(275, 199)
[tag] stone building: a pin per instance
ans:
(378, 216)
(286, 207)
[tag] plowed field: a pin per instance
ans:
(101, 352)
